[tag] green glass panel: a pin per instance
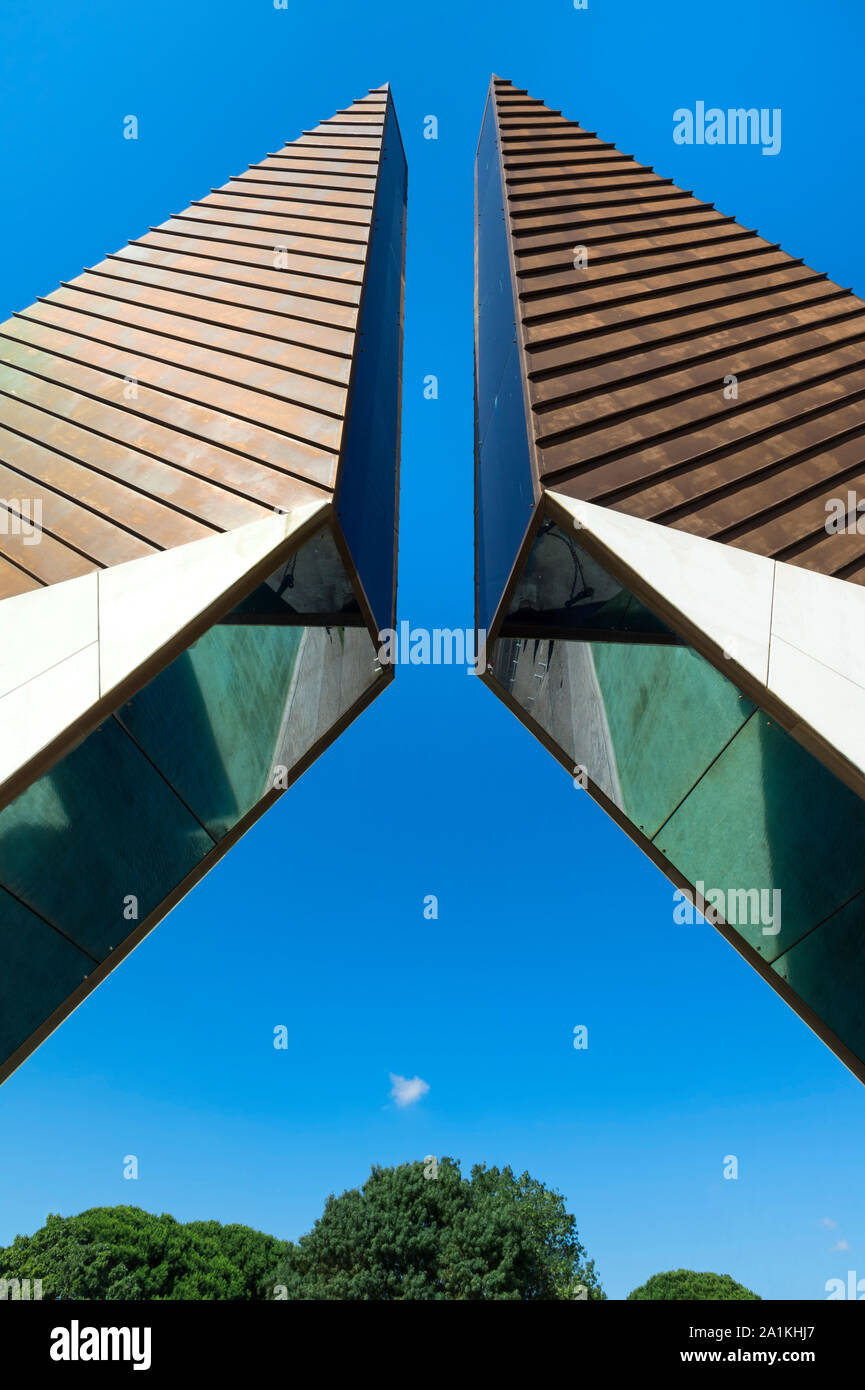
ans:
(38, 969)
(562, 587)
(763, 831)
(768, 815)
(835, 994)
(728, 797)
(100, 826)
(312, 581)
(211, 721)
(669, 714)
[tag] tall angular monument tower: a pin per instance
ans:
(670, 443)
(199, 456)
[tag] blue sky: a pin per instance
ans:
(548, 917)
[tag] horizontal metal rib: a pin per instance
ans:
(626, 357)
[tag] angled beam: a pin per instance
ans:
(200, 441)
(667, 409)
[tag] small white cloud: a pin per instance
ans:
(405, 1091)
(828, 1223)
(841, 1245)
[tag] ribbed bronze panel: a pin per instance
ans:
(197, 379)
(625, 360)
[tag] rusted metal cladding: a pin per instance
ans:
(669, 555)
(205, 374)
(624, 357)
(199, 462)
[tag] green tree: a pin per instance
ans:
(407, 1236)
(124, 1252)
(689, 1284)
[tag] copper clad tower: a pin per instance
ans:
(199, 459)
(670, 564)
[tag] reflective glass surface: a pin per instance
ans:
(718, 788)
(96, 845)
(504, 480)
(367, 498)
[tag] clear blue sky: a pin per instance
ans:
(549, 917)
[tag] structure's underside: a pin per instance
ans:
(667, 610)
(206, 428)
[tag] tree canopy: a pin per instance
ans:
(407, 1234)
(689, 1284)
(417, 1231)
(124, 1252)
